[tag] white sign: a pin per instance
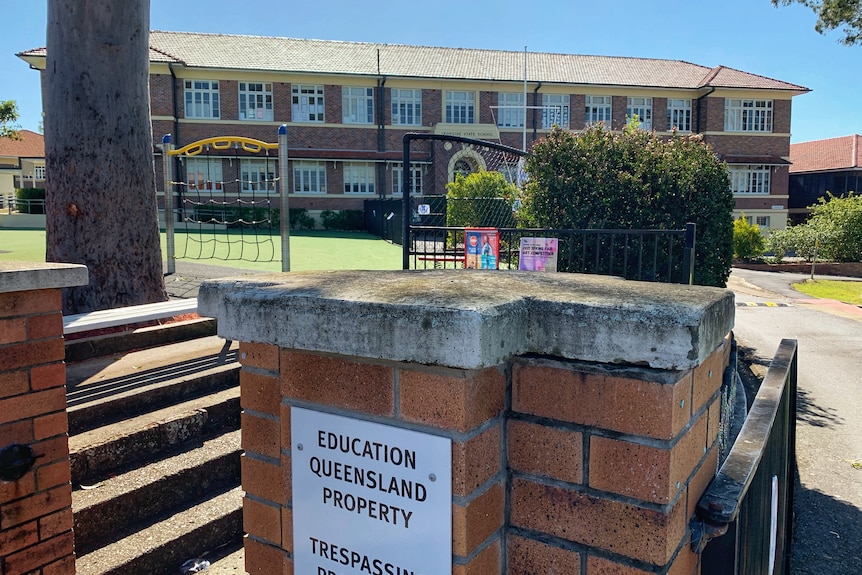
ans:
(424, 209)
(368, 498)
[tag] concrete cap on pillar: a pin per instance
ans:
(473, 319)
(25, 276)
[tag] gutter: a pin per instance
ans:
(711, 90)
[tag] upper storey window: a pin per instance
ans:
(510, 112)
(306, 103)
(406, 107)
(357, 105)
(202, 99)
(460, 107)
(640, 109)
(555, 110)
(598, 109)
(255, 101)
(747, 115)
(678, 115)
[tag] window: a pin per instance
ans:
(762, 221)
(745, 179)
(255, 101)
(357, 105)
(555, 110)
(679, 115)
(257, 175)
(460, 107)
(309, 177)
(202, 99)
(407, 107)
(398, 179)
(306, 103)
(39, 172)
(598, 109)
(747, 115)
(640, 108)
(358, 178)
(510, 112)
(204, 174)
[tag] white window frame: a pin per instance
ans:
(255, 101)
(460, 107)
(679, 114)
(598, 109)
(511, 110)
(359, 178)
(750, 179)
(762, 221)
(257, 175)
(39, 172)
(406, 107)
(747, 115)
(642, 108)
(398, 179)
(555, 110)
(309, 177)
(204, 174)
(202, 99)
(307, 104)
(357, 105)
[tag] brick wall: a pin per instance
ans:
(35, 511)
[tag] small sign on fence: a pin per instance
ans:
(538, 254)
(481, 248)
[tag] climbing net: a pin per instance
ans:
(225, 203)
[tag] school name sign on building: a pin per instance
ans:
(368, 498)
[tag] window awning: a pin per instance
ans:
(762, 160)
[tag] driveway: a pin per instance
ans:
(828, 506)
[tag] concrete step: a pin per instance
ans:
(80, 346)
(115, 506)
(97, 453)
(166, 544)
(108, 389)
(230, 561)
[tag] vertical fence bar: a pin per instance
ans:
(285, 189)
(167, 163)
(688, 254)
(407, 243)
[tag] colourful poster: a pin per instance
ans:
(481, 248)
(538, 254)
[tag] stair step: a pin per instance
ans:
(229, 562)
(98, 452)
(81, 348)
(108, 389)
(166, 545)
(118, 503)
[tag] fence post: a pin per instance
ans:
(285, 213)
(405, 194)
(688, 254)
(167, 162)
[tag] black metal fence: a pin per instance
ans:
(644, 255)
(746, 514)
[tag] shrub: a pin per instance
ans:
(343, 219)
(27, 206)
(299, 219)
(748, 241)
(480, 199)
(633, 180)
(837, 223)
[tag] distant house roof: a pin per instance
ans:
(844, 153)
(31, 145)
(220, 51)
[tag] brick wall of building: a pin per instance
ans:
(35, 511)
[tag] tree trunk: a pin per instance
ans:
(100, 180)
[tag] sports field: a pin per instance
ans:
(309, 250)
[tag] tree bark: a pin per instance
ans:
(100, 180)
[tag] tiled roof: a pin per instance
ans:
(832, 154)
(31, 145)
(231, 52)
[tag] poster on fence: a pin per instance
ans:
(481, 248)
(538, 254)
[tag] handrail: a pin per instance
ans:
(720, 504)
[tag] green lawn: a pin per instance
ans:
(845, 291)
(309, 250)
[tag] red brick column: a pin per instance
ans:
(35, 510)
(583, 426)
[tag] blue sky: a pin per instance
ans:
(749, 35)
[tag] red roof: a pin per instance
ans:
(843, 153)
(31, 145)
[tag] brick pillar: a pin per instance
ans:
(582, 412)
(36, 509)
